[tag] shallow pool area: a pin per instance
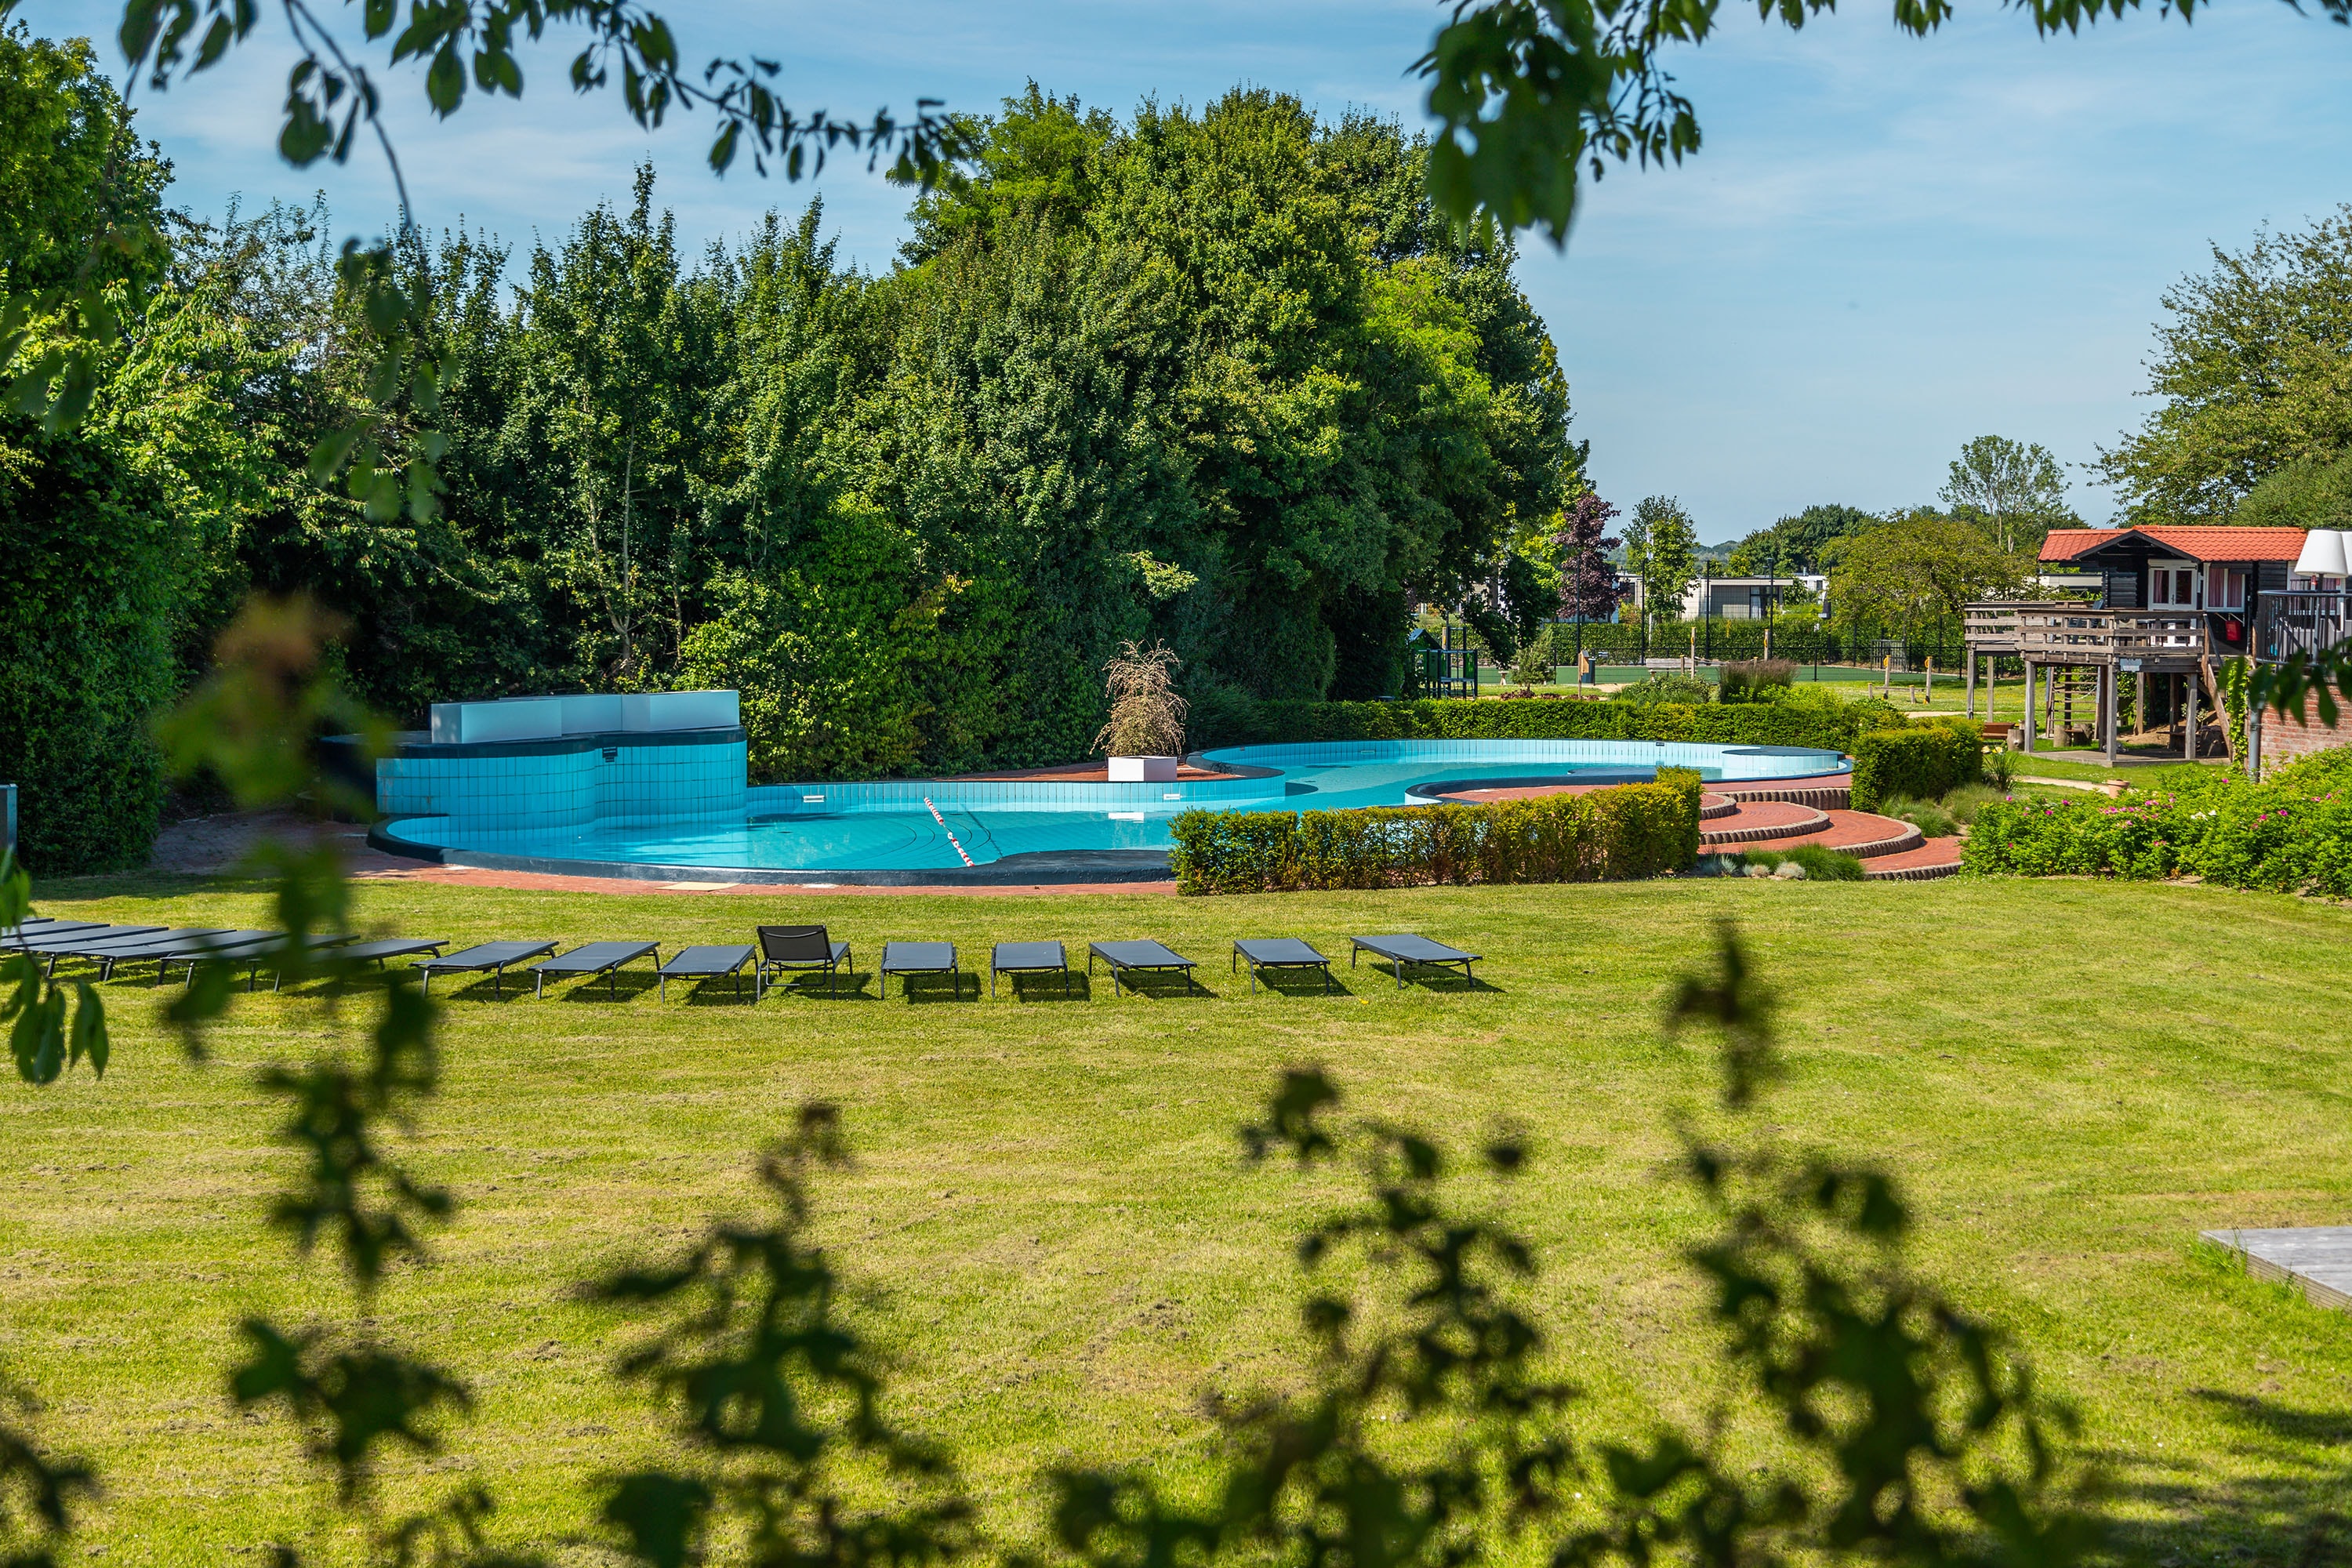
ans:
(557, 811)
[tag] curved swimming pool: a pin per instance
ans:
(1024, 830)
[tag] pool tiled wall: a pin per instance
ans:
(622, 780)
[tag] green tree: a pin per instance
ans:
(1807, 541)
(1913, 573)
(2253, 372)
(1662, 553)
(2304, 494)
(2016, 488)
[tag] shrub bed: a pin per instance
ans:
(2280, 837)
(1239, 723)
(1922, 761)
(1607, 834)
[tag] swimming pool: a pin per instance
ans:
(1003, 831)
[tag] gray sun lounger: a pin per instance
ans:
(107, 952)
(786, 948)
(58, 944)
(1407, 948)
(1028, 958)
(251, 949)
(1123, 956)
(905, 958)
(493, 956)
(604, 958)
(705, 962)
(350, 952)
(43, 929)
(1279, 952)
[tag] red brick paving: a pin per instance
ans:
(1936, 856)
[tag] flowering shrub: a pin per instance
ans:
(2285, 837)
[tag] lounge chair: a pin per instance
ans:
(783, 948)
(1278, 952)
(604, 958)
(43, 929)
(1418, 950)
(705, 962)
(348, 952)
(65, 933)
(106, 951)
(904, 958)
(1028, 958)
(252, 949)
(493, 956)
(1123, 956)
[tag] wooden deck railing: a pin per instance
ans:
(2062, 634)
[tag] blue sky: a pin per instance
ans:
(1887, 245)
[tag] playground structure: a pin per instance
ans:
(2076, 651)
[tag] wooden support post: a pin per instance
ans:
(2030, 736)
(1972, 685)
(2188, 709)
(1931, 681)
(2108, 679)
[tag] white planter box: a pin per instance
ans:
(1143, 770)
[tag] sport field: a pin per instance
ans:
(1053, 1234)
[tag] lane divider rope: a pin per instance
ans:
(944, 828)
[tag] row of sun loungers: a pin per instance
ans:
(779, 952)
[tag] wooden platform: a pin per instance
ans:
(2315, 1259)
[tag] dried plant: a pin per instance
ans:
(1147, 717)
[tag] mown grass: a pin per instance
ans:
(1053, 1234)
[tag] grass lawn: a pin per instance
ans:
(1053, 1234)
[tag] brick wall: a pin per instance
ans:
(2285, 739)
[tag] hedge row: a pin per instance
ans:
(2279, 837)
(1608, 834)
(1926, 762)
(1820, 727)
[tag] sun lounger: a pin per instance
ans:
(1028, 958)
(493, 956)
(904, 958)
(1279, 952)
(66, 933)
(350, 952)
(1124, 956)
(251, 949)
(604, 958)
(42, 929)
(107, 950)
(784, 948)
(1418, 950)
(705, 962)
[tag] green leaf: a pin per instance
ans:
(90, 1028)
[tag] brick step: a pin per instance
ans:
(1861, 833)
(1755, 822)
(1932, 861)
(1714, 805)
(1836, 796)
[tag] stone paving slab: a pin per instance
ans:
(2315, 1259)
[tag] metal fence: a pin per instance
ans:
(2290, 623)
(1714, 641)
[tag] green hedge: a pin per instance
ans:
(1924, 762)
(96, 587)
(2283, 837)
(1244, 724)
(1608, 834)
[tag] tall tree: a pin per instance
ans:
(1807, 541)
(2016, 490)
(2253, 369)
(1588, 577)
(1913, 573)
(1661, 553)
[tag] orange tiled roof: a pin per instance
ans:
(2195, 544)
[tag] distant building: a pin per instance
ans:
(1739, 598)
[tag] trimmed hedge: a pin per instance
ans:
(1524, 719)
(2279, 838)
(1608, 834)
(1922, 761)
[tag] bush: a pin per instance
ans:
(1240, 721)
(1608, 834)
(97, 587)
(1922, 761)
(1928, 817)
(1663, 687)
(2279, 837)
(1755, 679)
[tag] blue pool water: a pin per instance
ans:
(928, 825)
